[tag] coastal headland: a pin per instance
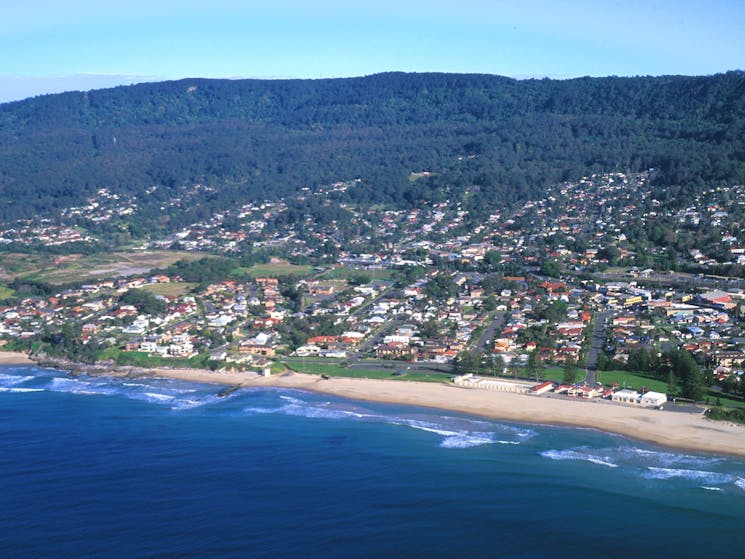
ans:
(669, 428)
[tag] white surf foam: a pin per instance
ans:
(254, 410)
(740, 482)
(157, 397)
(704, 476)
(12, 380)
(467, 440)
(579, 455)
(313, 412)
(75, 386)
(452, 439)
(665, 459)
(16, 389)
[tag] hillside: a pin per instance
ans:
(500, 139)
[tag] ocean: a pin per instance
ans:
(100, 467)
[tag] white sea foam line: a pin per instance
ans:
(740, 482)
(159, 397)
(671, 473)
(708, 488)
(12, 380)
(12, 389)
(262, 410)
(669, 458)
(575, 455)
(465, 441)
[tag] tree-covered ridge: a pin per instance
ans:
(501, 139)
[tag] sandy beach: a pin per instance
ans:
(665, 427)
(673, 429)
(14, 358)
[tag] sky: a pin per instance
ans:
(47, 46)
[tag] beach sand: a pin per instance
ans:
(674, 429)
(14, 358)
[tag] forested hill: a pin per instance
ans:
(501, 139)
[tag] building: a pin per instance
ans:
(653, 399)
(648, 399)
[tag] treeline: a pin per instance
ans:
(500, 139)
(676, 367)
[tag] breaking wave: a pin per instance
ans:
(579, 455)
(702, 476)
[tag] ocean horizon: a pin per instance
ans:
(156, 468)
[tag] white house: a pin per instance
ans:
(627, 396)
(654, 399)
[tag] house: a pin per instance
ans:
(627, 396)
(653, 399)
(256, 349)
(648, 399)
(542, 388)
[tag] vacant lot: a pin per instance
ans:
(68, 268)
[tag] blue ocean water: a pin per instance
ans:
(97, 467)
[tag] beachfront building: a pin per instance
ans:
(472, 381)
(627, 396)
(653, 399)
(648, 399)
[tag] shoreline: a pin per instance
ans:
(685, 431)
(679, 430)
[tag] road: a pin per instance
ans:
(489, 333)
(679, 278)
(596, 346)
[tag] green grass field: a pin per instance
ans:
(173, 289)
(146, 360)
(274, 270)
(335, 370)
(631, 380)
(556, 374)
(726, 401)
(5, 292)
(350, 273)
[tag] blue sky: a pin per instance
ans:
(52, 45)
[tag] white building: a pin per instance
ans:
(649, 399)
(653, 399)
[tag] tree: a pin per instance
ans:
(441, 287)
(429, 329)
(490, 303)
(144, 301)
(534, 364)
(571, 373)
(550, 268)
(498, 365)
(685, 368)
(467, 362)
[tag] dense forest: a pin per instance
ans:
(501, 140)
